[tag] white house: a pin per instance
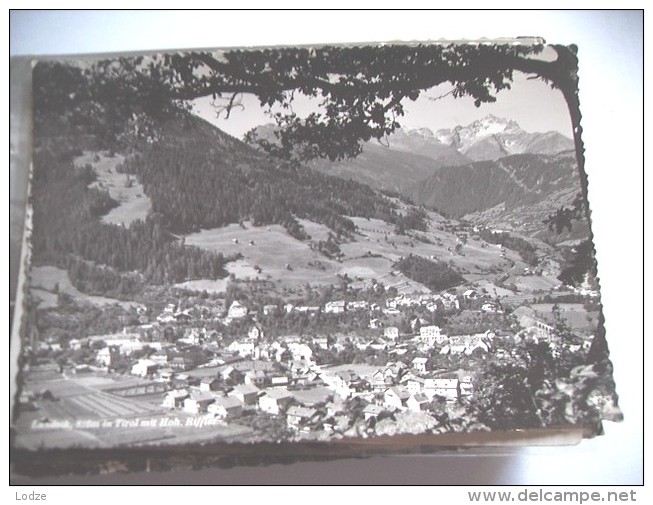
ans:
(470, 294)
(491, 308)
(180, 363)
(357, 305)
(166, 317)
(269, 309)
(245, 347)
(228, 406)
(175, 398)
(237, 310)
(255, 333)
(209, 384)
(467, 344)
(300, 352)
(415, 385)
(446, 388)
(340, 381)
(198, 402)
(420, 364)
(417, 402)
(394, 369)
(274, 400)
(246, 393)
(230, 374)
(372, 411)
(107, 355)
(380, 381)
(192, 336)
(396, 397)
(337, 307)
(298, 417)
(431, 335)
(144, 367)
(255, 377)
(310, 309)
(391, 333)
(377, 345)
(279, 380)
(165, 374)
(321, 341)
(466, 385)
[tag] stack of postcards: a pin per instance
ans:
(291, 253)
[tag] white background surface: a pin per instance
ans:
(611, 86)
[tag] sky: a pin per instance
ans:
(532, 103)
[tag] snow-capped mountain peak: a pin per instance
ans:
(421, 132)
(493, 137)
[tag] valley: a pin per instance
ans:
(199, 291)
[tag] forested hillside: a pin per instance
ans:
(198, 177)
(68, 233)
(518, 180)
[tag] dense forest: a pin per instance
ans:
(201, 178)
(198, 178)
(103, 257)
(435, 275)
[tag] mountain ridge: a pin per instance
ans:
(492, 137)
(516, 192)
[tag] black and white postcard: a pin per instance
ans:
(316, 250)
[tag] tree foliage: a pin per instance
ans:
(361, 90)
(581, 264)
(102, 257)
(435, 275)
(525, 249)
(226, 182)
(563, 218)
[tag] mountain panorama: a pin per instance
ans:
(485, 139)
(491, 138)
(490, 171)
